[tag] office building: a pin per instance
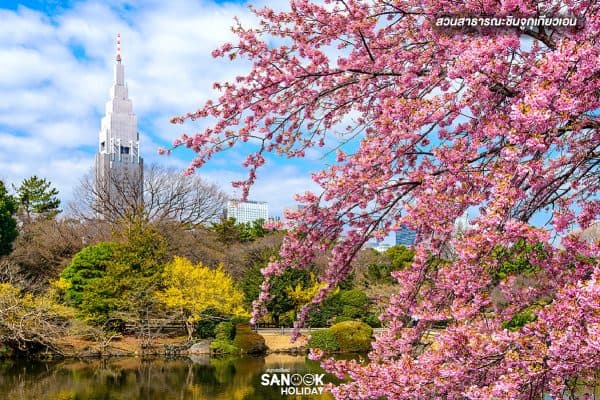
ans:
(405, 236)
(247, 211)
(119, 167)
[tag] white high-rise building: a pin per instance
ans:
(119, 167)
(247, 211)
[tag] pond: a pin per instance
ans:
(198, 378)
(248, 378)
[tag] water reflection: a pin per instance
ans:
(157, 379)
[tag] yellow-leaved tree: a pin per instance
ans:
(299, 295)
(191, 289)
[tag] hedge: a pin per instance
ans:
(353, 336)
(323, 339)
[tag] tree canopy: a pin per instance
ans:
(167, 195)
(131, 277)
(86, 267)
(36, 196)
(428, 124)
(193, 289)
(8, 223)
(229, 231)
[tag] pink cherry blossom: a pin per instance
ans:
(502, 123)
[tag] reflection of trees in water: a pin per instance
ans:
(109, 379)
(225, 378)
(156, 379)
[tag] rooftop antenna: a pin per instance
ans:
(118, 47)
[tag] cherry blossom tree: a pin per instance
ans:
(498, 122)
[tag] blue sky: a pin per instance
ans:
(57, 62)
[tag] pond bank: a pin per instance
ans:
(121, 346)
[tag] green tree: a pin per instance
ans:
(343, 305)
(36, 196)
(353, 336)
(229, 231)
(86, 267)
(127, 289)
(281, 301)
(354, 303)
(394, 259)
(301, 294)
(255, 229)
(8, 223)
(515, 259)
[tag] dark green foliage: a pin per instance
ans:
(520, 319)
(250, 231)
(280, 302)
(394, 259)
(287, 318)
(248, 341)
(324, 339)
(8, 223)
(252, 278)
(236, 319)
(205, 327)
(372, 320)
(229, 231)
(221, 346)
(400, 257)
(86, 267)
(236, 339)
(6, 351)
(348, 282)
(516, 259)
(327, 311)
(37, 196)
(341, 318)
(355, 301)
(128, 286)
(342, 306)
(353, 336)
(225, 331)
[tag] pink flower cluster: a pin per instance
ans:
(503, 123)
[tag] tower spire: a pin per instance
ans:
(119, 167)
(118, 47)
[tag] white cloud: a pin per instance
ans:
(57, 70)
(277, 186)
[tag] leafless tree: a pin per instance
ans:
(10, 273)
(29, 323)
(44, 247)
(167, 196)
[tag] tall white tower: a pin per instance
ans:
(119, 167)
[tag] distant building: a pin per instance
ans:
(119, 167)
(591, 234)
(377, 245)
(382, 247)
(461, 225)
(405, 236)
(247, 211)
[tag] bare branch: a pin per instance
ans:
(168, 196)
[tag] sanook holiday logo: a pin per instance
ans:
(293, 384)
